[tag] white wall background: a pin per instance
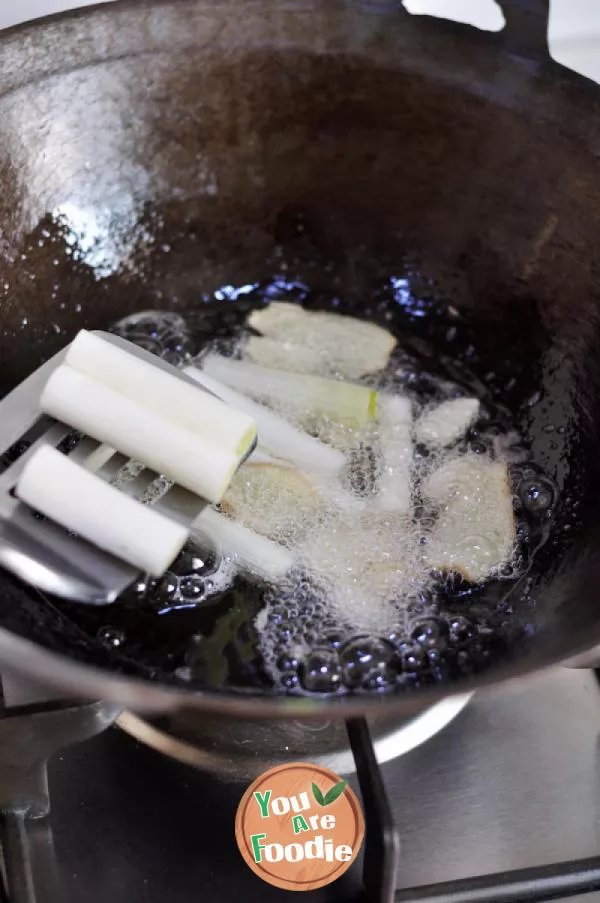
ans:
(14, 11)
(574, 34)
(574, 24)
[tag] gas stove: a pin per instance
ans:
(501, 804)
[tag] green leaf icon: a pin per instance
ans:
(333, 793)
(318, 795)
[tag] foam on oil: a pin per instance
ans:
(366, 608)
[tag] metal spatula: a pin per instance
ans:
(42, 553)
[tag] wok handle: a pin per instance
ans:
(526, 29)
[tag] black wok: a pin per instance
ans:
(154, 151)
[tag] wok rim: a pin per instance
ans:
(31, 660)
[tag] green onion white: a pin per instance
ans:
(96, 460)
(341, 401)
(80, 501)
(447, 422)
(109, 417)
(395, 441)
(275, 435)
(253, 554)
(163, 393)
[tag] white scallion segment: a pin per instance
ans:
(341, 401)
(253, 554)
(474, 533)
(395, 440)
(109, 417)
(276, 435)
(98, 458)
(447, 422)
(320, 342)
(82, 502)
(164, 393)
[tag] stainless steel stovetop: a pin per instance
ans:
(512, 783)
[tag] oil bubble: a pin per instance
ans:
(112, 637)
